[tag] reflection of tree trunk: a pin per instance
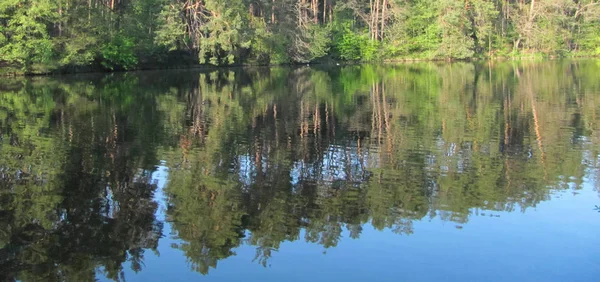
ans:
(388, 125)
(507, 173)
(115, 136)
(304, 129)
(377, 119)
(197, 128)
(506, 136)
(258, 157)
(333, 121)
(327, 124)
(276, 127)
(373, 114)
(306, 123)
(379, 115)
(62, 122)
(316, 120)
(184, 144)
(303, 122)
(506, 120)
(538, 133)
(93, 127)
(301, 117)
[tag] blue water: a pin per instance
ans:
(484, 171)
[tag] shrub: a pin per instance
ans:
(119, 53)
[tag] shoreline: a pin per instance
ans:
(90, 69)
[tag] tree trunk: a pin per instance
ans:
(372, 20)
(273, 12)
(531, 14)
(383, 17)
(315, 9)
(324, 10)
(376, 22)
(60, 21)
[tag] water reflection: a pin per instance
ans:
(263, 156)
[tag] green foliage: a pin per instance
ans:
(47, 35)
(417, 32)
(311, 42)
(267, 47)
(320, 41)
(171, 28)
(352, 46)
(119, 53)
(25, 40)
(78, 51)
(456, 42)
(590, 40)
(482, 14)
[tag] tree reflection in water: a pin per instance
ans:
(263, 156)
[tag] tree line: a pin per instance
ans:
(49, 35)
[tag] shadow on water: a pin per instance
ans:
(267, 155)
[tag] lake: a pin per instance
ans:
(485, 171)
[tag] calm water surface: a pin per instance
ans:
(421, 172)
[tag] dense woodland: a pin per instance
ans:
(263, 156)
(47, 35)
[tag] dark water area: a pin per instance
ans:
(416, 172)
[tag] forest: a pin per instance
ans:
(41, 36)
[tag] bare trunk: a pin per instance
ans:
(372, 20)
(273, 12)
(304, 11)
(60, 14)
(315, 9)
(376, 22)
(324, 10)
(531, 14)
(300, 13)
(383, 17)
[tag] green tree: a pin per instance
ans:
(25, 40)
